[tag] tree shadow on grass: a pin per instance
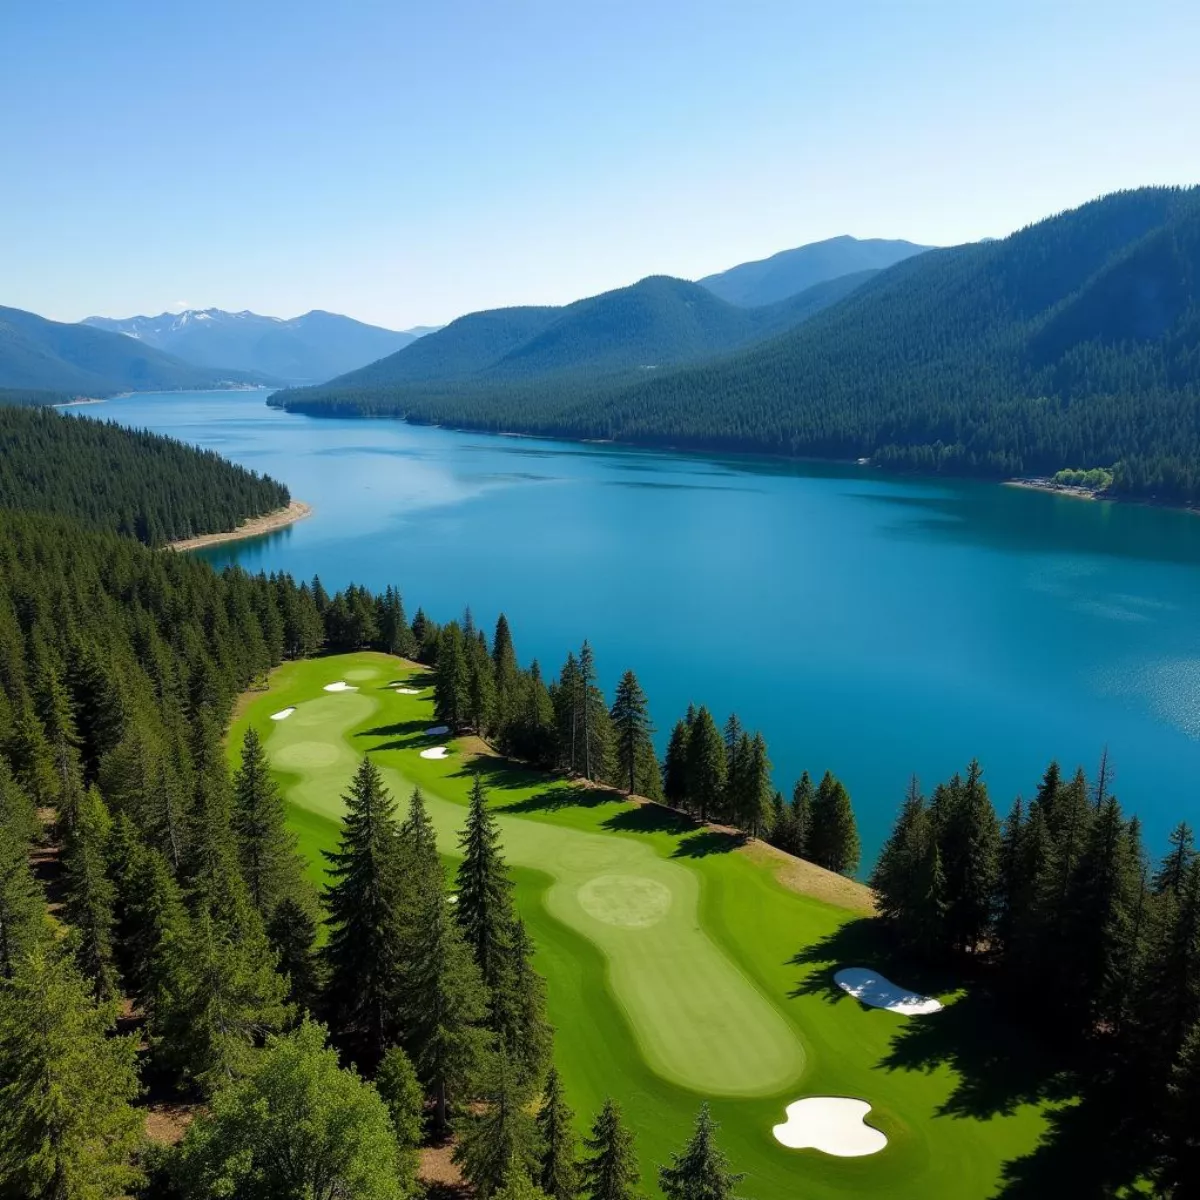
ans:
(861, 942)
(1000, 1066)
(708, 841)
(400, 735)
(1097, 1147)
(500, 775)
(650, 818)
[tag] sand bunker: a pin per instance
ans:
(871, 988)
(435, 752)
(340, 686)
(409, 691)
(283, 714)
(832, 1124)
(437, 730)
(453, 897)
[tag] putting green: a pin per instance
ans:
(671, 963)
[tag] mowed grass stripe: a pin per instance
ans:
(947, 1136)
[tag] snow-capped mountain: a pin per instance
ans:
(307, 349)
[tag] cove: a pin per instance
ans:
(875, 625)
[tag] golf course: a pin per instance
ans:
(681, 965)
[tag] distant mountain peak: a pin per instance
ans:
(789, 272)
(315, 346)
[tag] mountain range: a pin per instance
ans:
(305, 349)
(770, 280)
(1074, 342)
(77, 360)
(657, 323)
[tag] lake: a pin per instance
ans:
(873, 625)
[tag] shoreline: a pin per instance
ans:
(1074, 492)
(281, 518)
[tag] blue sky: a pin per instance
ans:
(406, 163)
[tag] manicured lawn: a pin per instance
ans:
(678, 968)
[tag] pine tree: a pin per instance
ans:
(675, 766)
(445, 1004)
(970, 846)
(481, 687)
(363, 953)
(592, 721)
(1170, 1001)
(398, 1085)
(270, 864)
(152, 919)
(90, 893)
(484, 907)
(756, 789)
(518, 1186)
(896, 876)
(518, 1009)
(1104, 890)
(705, 766)
(507, 675)
(211, 864)
(292, 932)
(67, 1126)
(56, 712)
(1179, 1174)
(557, 1174)
(502, 1137)
(451, 678)
(803, 795)
(736, 766)
(22, 904)
(833, 839)
(1171, 876)
(221, 997)
(632, 731)
(610, 1170)
(701, 1170)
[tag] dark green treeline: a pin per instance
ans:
(1067, 921)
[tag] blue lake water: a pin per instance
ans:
(874, 625)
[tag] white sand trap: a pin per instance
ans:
(437, 730)
(435, 752)
(832, 1124)
(453, 897)
(340, 686)
(871, 988)
(283, 714)
(409, 691)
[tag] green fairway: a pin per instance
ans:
(677, 968)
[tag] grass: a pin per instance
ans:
(679, 966)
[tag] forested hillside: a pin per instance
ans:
(625, 333)
(142, 484)
(770, 280)
(81, 361)
(1072, 343)
(34, 397)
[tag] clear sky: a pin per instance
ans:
(405, 163)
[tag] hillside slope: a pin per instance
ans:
(305, 349)
(770, 280)
(1072, 343)
(125, 481)
(659, 322)
(77, 360)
